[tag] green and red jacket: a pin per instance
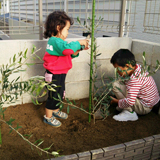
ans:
(59, 54)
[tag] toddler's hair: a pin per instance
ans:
(53, 20)
(123, 57)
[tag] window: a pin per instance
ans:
(152, 17)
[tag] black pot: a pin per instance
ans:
(86, 34)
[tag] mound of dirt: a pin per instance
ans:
(75, 135)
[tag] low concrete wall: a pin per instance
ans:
(152, 52)
(77, 80)
(143, 149)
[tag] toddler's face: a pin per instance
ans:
(64, 33)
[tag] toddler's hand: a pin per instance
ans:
(86, 48)
(84, 42)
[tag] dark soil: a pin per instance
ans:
(75, 135)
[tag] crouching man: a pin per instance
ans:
(138, 94)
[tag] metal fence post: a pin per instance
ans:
(122, 16)
(34, 20)
(40, 21)
(4, 13)
(65, 5)
(86, 10)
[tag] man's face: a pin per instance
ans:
(122, 71)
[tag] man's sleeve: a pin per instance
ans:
(133, 88)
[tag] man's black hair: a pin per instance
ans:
(123, 57)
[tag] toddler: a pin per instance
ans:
(57, 61)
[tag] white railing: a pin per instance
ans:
(120, 17)
(31, 14)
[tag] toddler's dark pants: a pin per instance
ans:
(59, 80)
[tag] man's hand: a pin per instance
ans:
(114, 100)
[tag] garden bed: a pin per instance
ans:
(75, 135)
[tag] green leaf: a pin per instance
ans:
(148, 68)
(39, 57)
(37, 141)
(58, 104)
(10, 121)
(40, 143)
(50, 88)
(55, 153)
(33, 101)
(14, 58)
(38, 90)
(33, 49)
(95, 99)
(10, 60)
(20, 60)
(82, 106)
(32, 147)
(55, 99)
(28, 135)
(74, 102)
(78, 20)
(157, 64)
(98, 54)
(119, 89)
(46, 149)
(10, 130)
(67, 100)
(59, 96)
(20, 53)
(43, 94)
(33, 88)
(68, 109)
(144, 54)
(30, 64)
(3, 111)
(40, 153)
(61, 106)
(19, 70)
(25, 53)
(17, 79)
(37, 103)
(18, 126)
